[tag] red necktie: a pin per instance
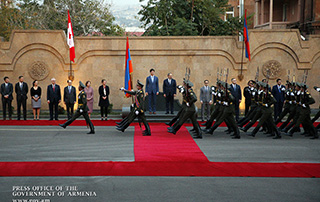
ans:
(53, 88)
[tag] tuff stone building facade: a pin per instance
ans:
(41, 55)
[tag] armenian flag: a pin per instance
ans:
(128, 70)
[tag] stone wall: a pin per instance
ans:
(42, 55)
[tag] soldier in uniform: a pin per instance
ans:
(228, 111)
(266, 102)
(82, 110)
(137, 111)
(189, 111)
(304, 113)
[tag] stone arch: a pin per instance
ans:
(37, 46)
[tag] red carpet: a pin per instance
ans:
(162, 154)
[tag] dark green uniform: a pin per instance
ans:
(188, 112)
(137, 112)
(227, 115)
(304, 115)
(82, 110)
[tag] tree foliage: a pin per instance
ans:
(88, 16)
(188, 18)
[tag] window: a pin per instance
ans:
(229, 13)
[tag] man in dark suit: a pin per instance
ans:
(169, 92)
(152, 90)
(247, 95)
(278, 92)
(205, 99)
(236, 93)
(53, 98)
(6, 92)
(21, 89)
(69, 98)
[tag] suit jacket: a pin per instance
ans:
(279, 96)
(247, 95)
(236, 93)
(152, 87)
(205, 95)
(169, 89)
(102, 102)
(53, 96)
(69, 97)
(21, 93)
(7, 91)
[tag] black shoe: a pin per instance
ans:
(243, 129)
(57, 119)
(91, 132)
(146, 134)
(167, 113)
(102, 119)
(236, 137)
(120, 129)
(209, 131)
(204, 129)
(167, 123)
(204, 124)
(62, 125)
(252, 135)
(50, 119)
(172, 113)
(197, 137)
(289, 134)
(192, 130)
(277, 137)
(314, 137)
(118, 123)
(271, 135)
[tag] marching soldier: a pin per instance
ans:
(228, 112)
(137, 111)
(304, 114)
(189, 111)
(82, 110)
(267, 101)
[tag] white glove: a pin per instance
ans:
(283, 89)
(225, 103)
(259, 92)
(81, 110)
(298, 93)
(182, 90)
(132, 105)
(122, 88)
(219, 94)
(219, 102)
(302, 93)
(292, 94)
(304, 106)
(188, 104)
(318, 89)
(288, 93)
(266, 105)
(290, 102)
(137, 112)
(251, 88)
(214, 93)
(253, 93)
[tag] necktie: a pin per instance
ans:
(53, 88)
(21, 85)
(279, 89)
(69, 89)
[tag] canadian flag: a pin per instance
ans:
(70, 39)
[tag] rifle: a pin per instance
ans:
(257, 75)
(218, 75)
(268, 77)
(227, 74)
(288, 77)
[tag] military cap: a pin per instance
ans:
(140, 84)
(81, 84)
(303, 85)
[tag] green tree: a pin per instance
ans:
(188, 17)
(87, 16)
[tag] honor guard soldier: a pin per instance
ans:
(82, 110)
(137, 111)
(189, 112)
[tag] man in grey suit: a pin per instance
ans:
(6, 92)
(69, 98)
(205, 99)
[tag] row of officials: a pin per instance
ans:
(53, 98)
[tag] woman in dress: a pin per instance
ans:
(104, 99)
(35, 99)
(89, 91)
